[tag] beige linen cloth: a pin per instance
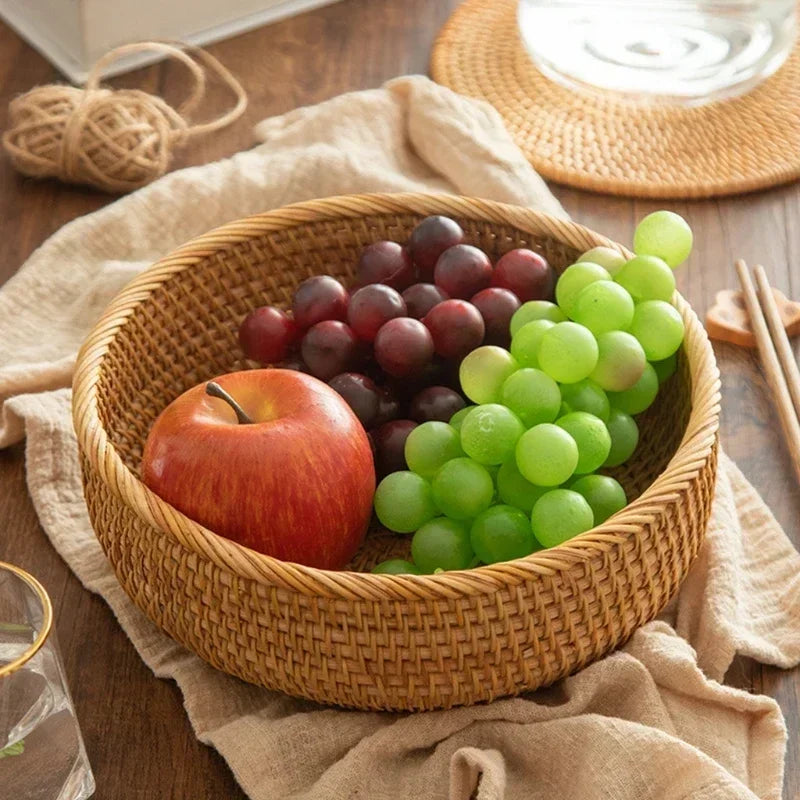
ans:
(650, 721)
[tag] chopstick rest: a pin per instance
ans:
(728, 321)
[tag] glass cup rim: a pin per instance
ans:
(47, 618)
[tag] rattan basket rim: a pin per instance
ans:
(695, 448)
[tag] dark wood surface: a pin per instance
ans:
(137, 735)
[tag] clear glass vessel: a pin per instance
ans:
(42, 756)
(679, 51)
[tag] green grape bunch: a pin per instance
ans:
(525, 466)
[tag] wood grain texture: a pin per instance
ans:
(124, 710)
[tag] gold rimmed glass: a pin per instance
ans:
(41, 749)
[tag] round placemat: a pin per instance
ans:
(605, 143)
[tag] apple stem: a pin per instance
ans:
(215, 390)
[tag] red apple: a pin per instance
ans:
(275, 461)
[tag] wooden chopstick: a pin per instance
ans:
(779, 337)
(772, 368)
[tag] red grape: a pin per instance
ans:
(360, 393)
(526, 274)
(328, 348)
(372, 306)
(390, 445)
(319, 298)
(386, 262)
(422, 297)
(388, 406)
(435, 403)
(463, 271)
(456, 326)
(403, 346)
(430, 239)
(266, 334)
(497, 306)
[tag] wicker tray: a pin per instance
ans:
(603, 142)
(361, 640)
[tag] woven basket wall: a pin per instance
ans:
(372, 641)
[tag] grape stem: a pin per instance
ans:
(215, 390)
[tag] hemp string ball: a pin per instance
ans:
(112, 140)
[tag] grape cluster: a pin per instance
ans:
(392, 348)
(517, 471)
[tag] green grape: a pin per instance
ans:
(404, 501)
(431, 445)
(457, 420)
(502, 533)
(483, 371)
(624, 437)
(620, 362)
(611, 260)
(525, 344)
(659, 328)
(532, 395)
(640, 396)
(573, 279)
(515, 489)
(533, 310)
(546, 455)
(585, 396)
(568, 352)
(647, 278)
(603, 306)
(664, 234)
(591, 436)
(559, 515)
(490, 432)
(665, 368)
(603, 494)
(462, 488)
(442, 544)
(396, 566)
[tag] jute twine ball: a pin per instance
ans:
(112, 140)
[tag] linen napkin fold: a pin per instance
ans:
(649, 721)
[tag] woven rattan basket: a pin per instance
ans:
(371, 641)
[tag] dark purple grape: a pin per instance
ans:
(361, 394)
(267, 334)
(403, 347)
(422, 297)
(388, 406)
(330, 347)
(456, 326)
(386, 262)
(526, 274)
(430, 239)
(390, 444)
(317, 299)
(497, 306)
(463, 271)
(371, 307)
(435, 403)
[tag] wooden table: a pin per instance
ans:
(137, 735)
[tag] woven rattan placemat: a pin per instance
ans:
(601, 142)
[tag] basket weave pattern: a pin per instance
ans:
(391, 642)
(604, 142)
